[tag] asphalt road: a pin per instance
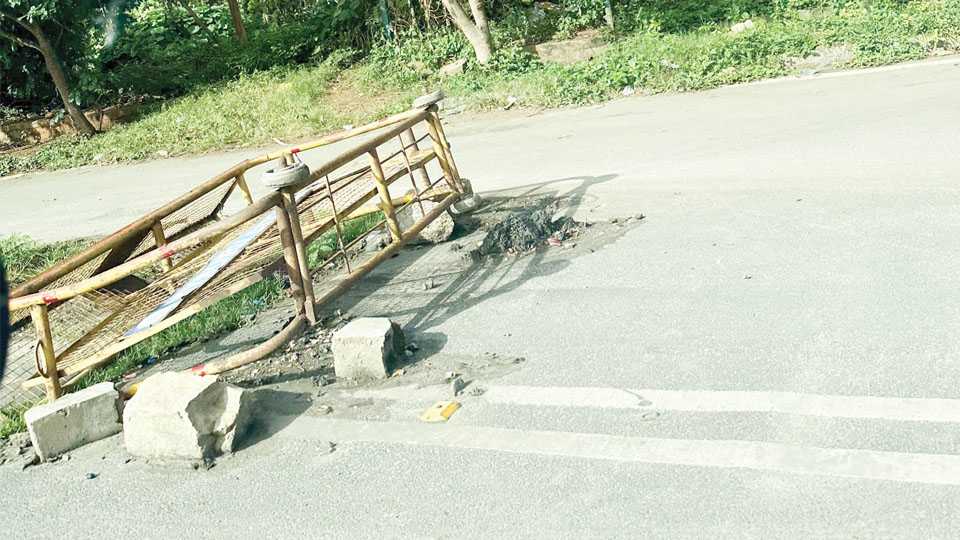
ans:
(772, 353)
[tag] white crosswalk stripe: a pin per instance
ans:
(925, 468)
(883, 408)
(895, 466)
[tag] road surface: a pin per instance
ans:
(772, 353)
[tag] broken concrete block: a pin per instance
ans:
(74, 420)
(366, 347)
(579, 49)
(177, 415)
(439, 230)
(453, 68)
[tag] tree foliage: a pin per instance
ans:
(55, 29)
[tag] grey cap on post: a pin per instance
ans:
(427, 100)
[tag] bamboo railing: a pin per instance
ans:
(82, 308)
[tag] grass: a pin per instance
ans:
(227, 315)
(289, 103)
(24, 257)
(282, 103)
(652, 62)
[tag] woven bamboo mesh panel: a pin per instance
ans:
(86, 325)
(70, 321)
(188, 218)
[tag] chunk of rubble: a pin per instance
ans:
(439, 230)
(366, 348)
(177, 415)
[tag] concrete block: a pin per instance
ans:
(439, 230)
(453, 68)
(74, 420)
(177, 415)
(366, 347)
(579, 49)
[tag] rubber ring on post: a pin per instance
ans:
(282, 177)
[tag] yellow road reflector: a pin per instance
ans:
(440, 411)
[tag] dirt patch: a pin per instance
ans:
(517, 226)
(525, 230)
(344, 99)
(306, 358)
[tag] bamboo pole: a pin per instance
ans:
(140, 226)
(346, 134)
(251, 355)
(388, 251)
(244, 189)
(149, 258)
(336, 222)
(385, 202)
(400, 201)
(433, 119)
(290, 204)
(413, 181)
(161, 241)
(409, 140)
(290, 257)
(41, 324)
(240, 359)
(443, 154)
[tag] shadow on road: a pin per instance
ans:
(271, 411)
(396, 289)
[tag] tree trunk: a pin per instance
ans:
(55, 68)
(238, 26)
(477, 29)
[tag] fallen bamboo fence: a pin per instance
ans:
(188, 254)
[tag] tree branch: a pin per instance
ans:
(198, 20)
(479, 15)
(19, 41)
(459, 15)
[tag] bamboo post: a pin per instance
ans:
(161, 241)
(336, 222)
(385, 202)
(389, 251)
(41, 323)
(290, 204)
(408, 139)
(440, 146)
(416, 188)
(434, 120)
(290, 257)
(244, 189)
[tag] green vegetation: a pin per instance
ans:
(24, 257)
(310, 71)
(279, 103)
(30, 257)
(11, 421)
